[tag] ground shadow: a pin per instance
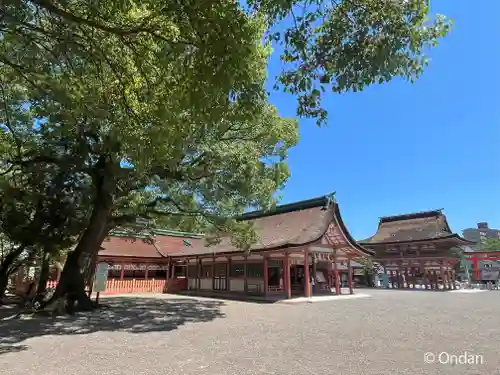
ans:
(247, 298)
(128, 314)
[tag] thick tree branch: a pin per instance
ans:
(119, 31)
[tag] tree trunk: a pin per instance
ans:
(5, 268)
(44, 275)
(4, 281)
(71, 284)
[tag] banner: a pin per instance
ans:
(101, 277)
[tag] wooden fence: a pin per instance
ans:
(140, 286)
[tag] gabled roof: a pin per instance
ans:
(411, 227)
(160, 245)
(287, 226)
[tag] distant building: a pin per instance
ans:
(489, 270)
(481, 233)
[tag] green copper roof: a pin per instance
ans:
(325, 200)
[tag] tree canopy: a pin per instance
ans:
(158, 109)
(175, 89)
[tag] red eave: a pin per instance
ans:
(461, 240)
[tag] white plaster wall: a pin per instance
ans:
(256, 282)
(191, 283)
(237, 285)
(252, 285)
(206, 284)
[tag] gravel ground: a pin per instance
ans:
(387, 333)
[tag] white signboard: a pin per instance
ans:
(101, 277)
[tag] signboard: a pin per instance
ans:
(489, 274)
(138, 266)
(101, 276)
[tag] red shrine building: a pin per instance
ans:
(300, 251)
(142, 265)
(417, 249)
(303, 248)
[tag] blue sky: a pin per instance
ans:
(402, 147)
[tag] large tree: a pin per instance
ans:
(161, 105)
(42, 211)
(338, 45)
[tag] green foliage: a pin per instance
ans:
(346, 45)
(491, 244)
(178, 98)
(369, 270)
(158, 109)
(339, 46)
(41, 209)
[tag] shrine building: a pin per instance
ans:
(417, 249)
(303, 248)
(300, 251)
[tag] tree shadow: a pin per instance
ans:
(12, 348)
(126, 314)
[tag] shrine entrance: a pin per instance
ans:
(275, 274)
(481, 256)
(220, 276)
(417, 250)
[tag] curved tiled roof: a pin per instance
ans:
(161, 246)
(290, 225)
(418, 226)
(287, 226)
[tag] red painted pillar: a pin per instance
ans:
(441, 275)
(146, 273)
(349, 276)
(199, 265)
(307, 277)
(122, 271)
(477, 276)
(336, 274)
(266, 276)
(228, 270)
(213, 273)
(245, 277)
(286, 275)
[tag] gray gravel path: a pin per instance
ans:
(388, 333)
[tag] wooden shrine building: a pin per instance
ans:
(303, 248)
(300, 250)
(417, 249)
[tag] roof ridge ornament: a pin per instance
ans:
(330, 198)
